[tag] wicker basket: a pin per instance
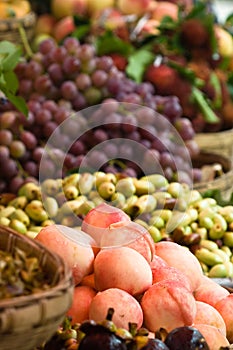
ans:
(218, 142)
(27, 321)
(9, 28)
(224, 183)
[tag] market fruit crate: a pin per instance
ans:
(26, 321)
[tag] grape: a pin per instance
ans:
(71, 44)
(31, 168)
(99, 77)
(33, 70)
(71, 66)
(7, 120)
(29, 139)
(47, 46)
(68, 78)
(4, 153)
(17, 149)
(9, 169)
(56, 73)
(6, 137)
(68, 90)
(43, 84)
(43, 116)
(15, 183)
(77, 148)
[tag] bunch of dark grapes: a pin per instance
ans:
(59, 81)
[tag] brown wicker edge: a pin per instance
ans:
(27, 321)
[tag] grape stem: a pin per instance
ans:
(208, 113)
(25, 41)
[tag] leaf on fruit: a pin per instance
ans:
(18, 102)
(12, 81)
(10, 55)
(137, 63)
(110, 43)
(82, 27)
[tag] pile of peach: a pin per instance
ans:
(116, 264)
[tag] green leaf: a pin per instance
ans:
(12, 81)
(82, 27)
(10, 61)
(6, 47)
(137, 63)
(110, 43)
(18, 102)
(214, 81)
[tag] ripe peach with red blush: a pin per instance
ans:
(126, 307)
(122, 268)
(210, 292)
(207, 314)
(225, 308)
(213, 336)
(168, 304)
(79, 310)
(181, 258)
(79, 257)
(130, 234)
(100, 218)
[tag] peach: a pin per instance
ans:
(95, 6)
(225, 308)
(61, 8)
(79, 257)
(168, 304)
(224, 41)
(213, 336)
(63, 27)
(122, 268)
(126, 308)
(207, 314)
(100, 218)
(170, 273)
(136, 7)
(89, 281)
(45, 24)
(165, 8)
(79, 310)
(181, 258)
(130, 234)
(210, 292)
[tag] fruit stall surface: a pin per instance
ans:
(116, 164)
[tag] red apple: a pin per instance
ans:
(63, 28)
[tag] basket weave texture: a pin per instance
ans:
(9, 28)
(27, 321)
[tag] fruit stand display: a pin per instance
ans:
(116, 154)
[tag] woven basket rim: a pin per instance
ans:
(64, 281)
(19, 19)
